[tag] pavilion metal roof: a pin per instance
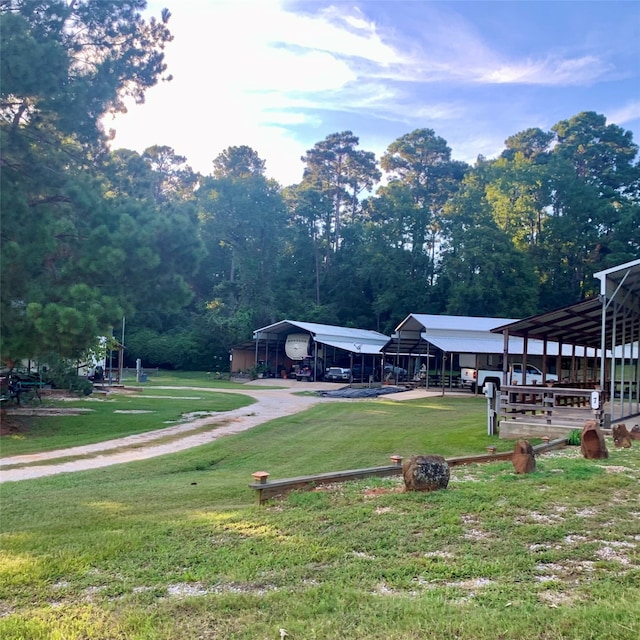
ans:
(581, 323)
(454, 334)
(346, 338)
(460, 342)
(419, 333)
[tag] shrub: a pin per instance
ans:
(575, 438)
(61, 374)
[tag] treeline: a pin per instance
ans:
(196, 262)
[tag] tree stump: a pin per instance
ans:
(592, 442)
(523, 458)
(621, 437)
(425, 473)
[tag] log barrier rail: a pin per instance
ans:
(266, 489)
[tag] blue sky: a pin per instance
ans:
(280, 76)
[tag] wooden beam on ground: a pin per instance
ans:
(266, 489)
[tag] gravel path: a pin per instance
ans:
(271, 404)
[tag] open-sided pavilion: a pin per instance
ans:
(445, 343)
(609, 324)
(328, 345)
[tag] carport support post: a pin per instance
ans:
(559, 361)
(505, 356)
(255, 358)
(451, 371)
(490, 393)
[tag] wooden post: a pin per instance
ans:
(397, 460)
(260, 477)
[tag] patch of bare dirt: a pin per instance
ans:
(17, 420)
(380, 491)
(12, 425)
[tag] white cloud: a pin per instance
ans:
(251, 72)
(550, 72)
(625, 113)
(338, 31)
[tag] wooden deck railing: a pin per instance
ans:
(557, 406)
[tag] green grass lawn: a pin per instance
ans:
(35, 434)
(193, 378)
(112, 416)
(175, 548)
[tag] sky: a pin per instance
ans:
(279, 75)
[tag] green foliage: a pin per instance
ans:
(63, 66)
(243, 220)
(575, 438)
(187, 348)
(61, 373)
(69, 63)
(196, 263)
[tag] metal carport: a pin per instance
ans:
(354, 342)
(437, 335)
(609, 323)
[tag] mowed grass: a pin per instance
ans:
(195, 379)
(191, 391)
(175, 548)
(111, 416)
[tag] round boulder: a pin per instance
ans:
(425, 473)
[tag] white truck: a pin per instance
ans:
(473, 378)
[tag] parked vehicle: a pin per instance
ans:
(337, 374)
(473, 378)
(305, 370)
(397, 373)
(364, 374)
(298, 346)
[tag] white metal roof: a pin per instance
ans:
(466, 323)
(485, 342)
(465, 334)
(347, 338)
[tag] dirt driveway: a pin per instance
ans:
(271, 404)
